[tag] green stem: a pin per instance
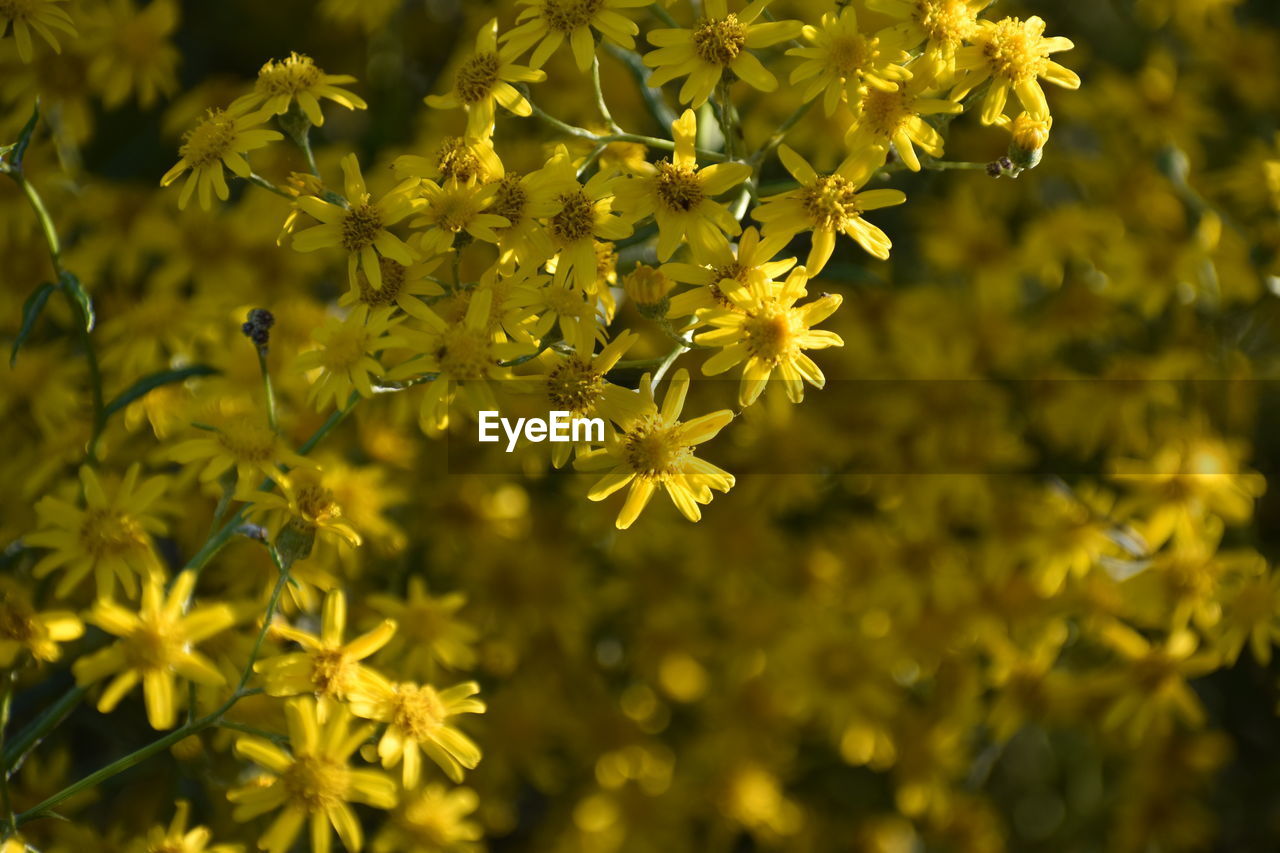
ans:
(779, 135)
(601, 104)
(17, 749)
(268, 390)
(640, 73)
(679, 350)
(583, 133)
(304, 142)
(257, 180)
(728, 115)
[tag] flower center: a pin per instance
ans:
(831, 201)
(247, 440)
(455, 159)
(418, 712)
(151, 646)
(392, 283)
(851, 53)
(1012, 49)
(295, 74)
(317, 504)
(510, 200)
(719, 42)
(209, 140)
(678, 187)
(574, 386)
(885, 112)
(769, 334)
(576, 219)
(330, 671)
(565, 16)
(453, 211)
(108, 532)
(947, 22)
(17, 621)
(345, 349)
(316, 782)
(465, 353)
(360, 227)
(651, 450)
(476, 77)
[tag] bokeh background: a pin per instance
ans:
(911, 624)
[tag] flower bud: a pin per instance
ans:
(648, 287)
(1030, 135)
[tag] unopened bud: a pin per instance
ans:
(1030, 135)
(648, 287)
(258, 327)
(295, 540)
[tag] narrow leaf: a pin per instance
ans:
(83, 302)
(147, 384)
(24, 138)
(30, 313)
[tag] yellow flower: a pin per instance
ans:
(176, 838)
(220, 138)
(346, 355)
(769, 333)
(457, 157)
(720, 42)
(1152, 682)
(526, 201)
(575, 382)
(155, 645)
(326, 666)
(359, 227)
(244, 443)
(110, 537)
(749, 263)
(43, 16)
(297, 80)
(452, 209)
(941, 25)
(38, 633)
(132, 51)
(843, 62)
(431, 820)
(486, 78)
(655, 450)
(307, 504)
(547, 23)
(430, 631)
(678, 195)
(1012, 54)
(313, 782)
(417, 718)
(401, 285)
(586, 212)
(827, 205)
(892, 119)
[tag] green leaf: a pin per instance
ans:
(30, 313)
(24, 138)
(83, 302)
(147, 384)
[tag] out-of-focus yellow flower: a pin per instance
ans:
(176, 838)
(418, 720)
(432, 819)
(43, 16)
(110, 537)
(154, 646)
(244, 443)
(346, 355)
(485, 79)
(133, 52)
(22, 628)
(431, 631)
(312, 783)
(221, 138)
(722, 41)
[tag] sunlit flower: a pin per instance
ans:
(221, 138)
(418, 723)
(484, 79)
(844, 62)
(892, 120)
(1012, 54)
(547, 23)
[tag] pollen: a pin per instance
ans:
(418, 711)
(565, 16)
(678, 187)
(455, 159)
(1013, 49)
(330, 671)
(575, 386)
(393, 276)
(477, 77)
(718, 42)
(770, 335)
(296, 74)
(318, 504)
(947, 22)
(107, 532)
(316, 783)
(576, 219)
(360, 227)
(652, 450)
(208, 141)
(830, 202)
(884, 113)
(510, 200)
(248, 440)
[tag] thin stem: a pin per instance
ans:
(42, 214)
(6, 703)
(304, 142)
(252, 730)
(583, 133)
(257, 180)
(268, 390)
(679, 350)
(95, 375)
(599, 92)
(17, 749)
(728, 115)
(640, 73)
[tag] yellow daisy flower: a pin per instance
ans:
(547, 23)
(43, 16)
(721, 41)
(22, 628)
(827, 205)
(751, 262)
(326, 666)
(586, 212)
(297, 80)
(417, 718)
(892, 119)
(455, 208)
(359, 227)
(432, 820)
(346, 355)
(176, 838)
(110, 537)
(942, 26)
(133, 52)
(486, 78)
(430, 631)
(678, 195)
(401, 285)
(220, 138)
(769, 332)
(313, 782)
(459, 157)
(246, 443)
(155, 645)
(526, 202)
(844, 62)
(657, 450)
(307, 505)
(1012, 54)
